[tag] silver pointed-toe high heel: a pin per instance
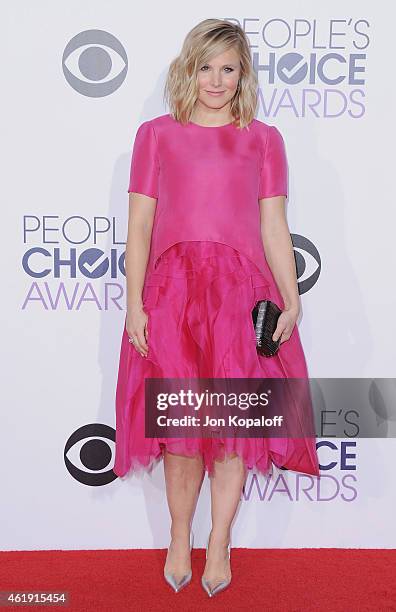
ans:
(221, 585)
(177, 585)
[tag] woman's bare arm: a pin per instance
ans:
(140, 223)
(278, 248)
(279, 253)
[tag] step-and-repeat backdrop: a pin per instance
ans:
(78, 80)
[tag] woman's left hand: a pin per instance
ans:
(286, 322)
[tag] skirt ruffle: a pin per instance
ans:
(199, 300)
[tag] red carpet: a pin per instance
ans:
(280, 580)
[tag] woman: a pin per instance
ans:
(207, 238)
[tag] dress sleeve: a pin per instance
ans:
(273, 175)
(144, 172)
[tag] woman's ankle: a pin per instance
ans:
(180, 532)
(219, 537)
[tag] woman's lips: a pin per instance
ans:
(215, 93)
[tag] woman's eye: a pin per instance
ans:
(227, 68)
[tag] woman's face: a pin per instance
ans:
(218, 79)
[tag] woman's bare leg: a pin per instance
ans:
(226, 486)
(183, 478)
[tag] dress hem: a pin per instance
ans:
(137, 467)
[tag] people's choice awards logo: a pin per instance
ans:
(338, 464)
(74, 262)
(313, 67)
(95, 63)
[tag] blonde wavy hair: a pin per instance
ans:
(206, 40)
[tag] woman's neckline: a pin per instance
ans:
(211, 127)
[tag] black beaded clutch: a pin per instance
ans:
(265, 316)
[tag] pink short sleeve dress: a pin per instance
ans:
(206, 253)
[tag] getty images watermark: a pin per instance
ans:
(228, 407)
(192, 401)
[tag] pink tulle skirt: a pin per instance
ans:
(198, 300)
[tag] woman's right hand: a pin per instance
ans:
(136, 327)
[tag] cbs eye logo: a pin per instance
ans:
(95, 63)
(308, 262)
(88, 454)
